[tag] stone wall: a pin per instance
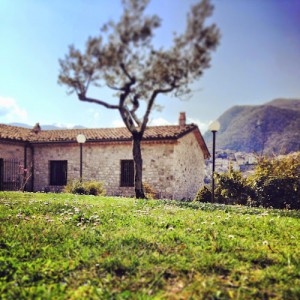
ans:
(43, 154)
(12, 151)
(189, 167)
(175, 169)
(158, 161)
(13, 155)
(102, 162)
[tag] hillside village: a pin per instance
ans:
(240, 161)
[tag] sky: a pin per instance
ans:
(258, 59)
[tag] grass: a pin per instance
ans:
(63, 246)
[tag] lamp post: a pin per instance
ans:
(81, 139)
(213, 127)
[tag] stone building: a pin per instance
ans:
(44, 160)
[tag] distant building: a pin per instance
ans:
(240, 161)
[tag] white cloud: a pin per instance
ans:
(159, 122)
(153, 122)
(163, 122)
(202, 125)
(10, 111)
(94, 116)
(64, 125)
(118, 123)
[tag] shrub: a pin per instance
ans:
(276, 182)
(94, 188)
(150, 192)
(232, 188)
(74, 187)
(203, 195)
(85, 188)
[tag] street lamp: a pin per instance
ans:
(81, 139)
(213, 127)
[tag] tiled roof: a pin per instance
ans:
(14, 133)
(97, 134)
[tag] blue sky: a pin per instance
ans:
(257, 60)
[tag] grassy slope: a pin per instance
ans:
(80, 247)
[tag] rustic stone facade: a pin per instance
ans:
(12, 151)
(173, 169)
(173, 159)
(15, 160)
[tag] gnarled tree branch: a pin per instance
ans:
(131, 78)
(82, 97)
(151, 102)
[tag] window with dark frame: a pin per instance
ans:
(58, 172)
(127, 173)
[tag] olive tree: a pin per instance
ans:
(123, 58)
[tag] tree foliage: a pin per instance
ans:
(123, 58)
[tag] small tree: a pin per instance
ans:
(26, 173)
(232, 188)
(124, 59)
(276, 182)
(203, 195)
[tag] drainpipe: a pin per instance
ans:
(32, 168)
(25, 167)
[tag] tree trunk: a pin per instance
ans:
(138, 166)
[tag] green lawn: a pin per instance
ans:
(63, 246)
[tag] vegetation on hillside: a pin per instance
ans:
(64, 246)
(270, 128)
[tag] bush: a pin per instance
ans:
(276, 182)
(203, 195)
(94, 188)
(85, 188)
(149, 191)
(232, 188)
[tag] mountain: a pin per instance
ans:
(21, 125)
(45, 127)
(270, 128)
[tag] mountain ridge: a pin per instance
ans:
(46, 127)
(273, 127)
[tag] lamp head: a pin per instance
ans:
(214, 126)
(81, 139)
